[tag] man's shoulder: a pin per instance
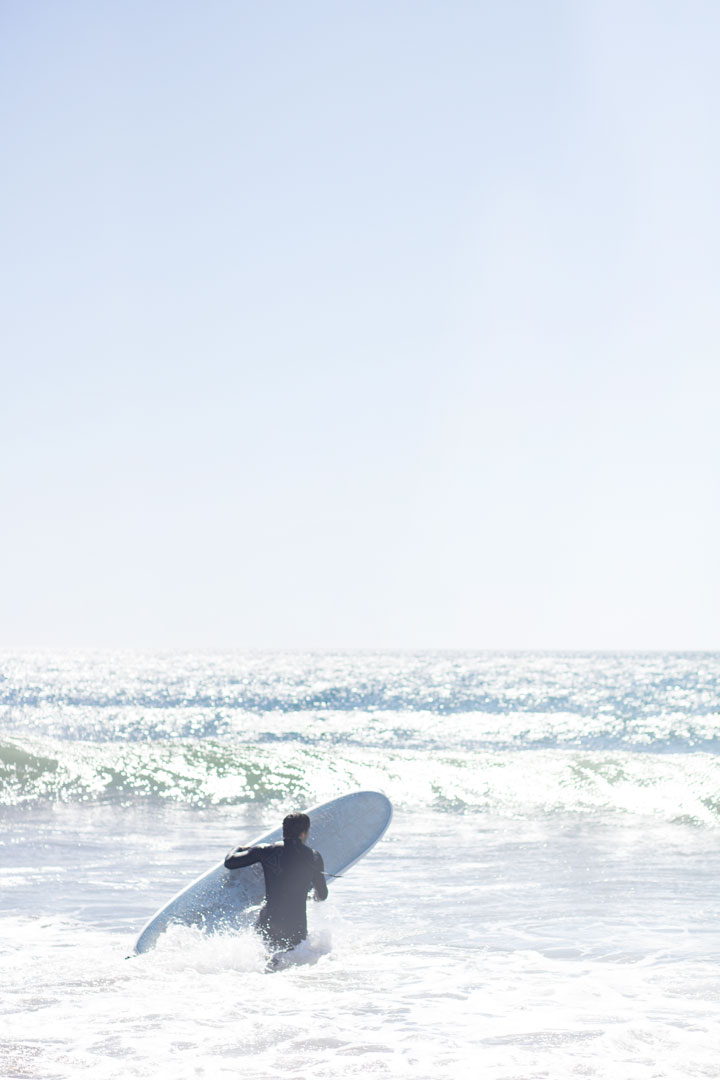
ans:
(266, 849)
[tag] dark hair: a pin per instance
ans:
(294, 825)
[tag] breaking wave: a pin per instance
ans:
(209, 772)
(516, 734)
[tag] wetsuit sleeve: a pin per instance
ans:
(242, 856)
(319, 882)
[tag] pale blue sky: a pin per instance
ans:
(360, 324)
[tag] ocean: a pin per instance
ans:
(544, 904)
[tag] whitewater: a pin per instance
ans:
(545, 903)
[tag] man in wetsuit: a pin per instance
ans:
(291, 869)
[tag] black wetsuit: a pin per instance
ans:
(291, 869)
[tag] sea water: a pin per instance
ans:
(545, 903)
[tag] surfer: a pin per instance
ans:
(291, 869)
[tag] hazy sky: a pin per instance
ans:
(360, 324)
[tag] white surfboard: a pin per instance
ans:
(342, 830)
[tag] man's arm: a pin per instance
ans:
(319, 882)
(242, 856)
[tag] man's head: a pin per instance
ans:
(296, 827)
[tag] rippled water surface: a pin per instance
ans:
(545, 903)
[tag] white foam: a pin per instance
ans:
(459, 948)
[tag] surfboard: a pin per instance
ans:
(342, 830)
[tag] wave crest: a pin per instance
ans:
(506, 783)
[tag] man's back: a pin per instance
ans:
(291, 869)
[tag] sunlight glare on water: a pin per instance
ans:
(544, 904)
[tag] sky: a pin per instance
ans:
(360, 325)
